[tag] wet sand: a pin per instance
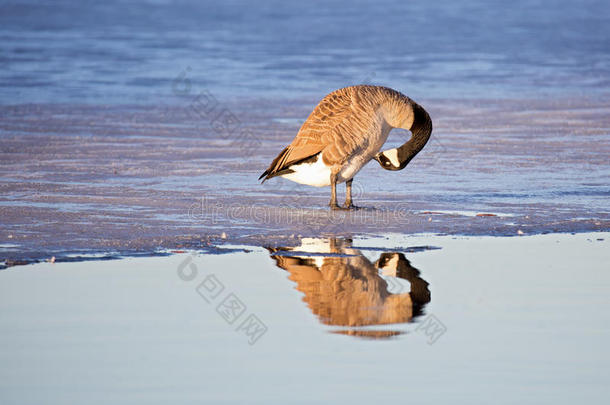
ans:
(122, 180)
(507, 320)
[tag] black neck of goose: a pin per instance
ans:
(420, 130)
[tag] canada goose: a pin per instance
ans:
(344, 132)
(344, 288)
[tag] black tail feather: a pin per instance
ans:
(273, 167)
(279, 166)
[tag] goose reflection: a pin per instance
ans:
(344, 288)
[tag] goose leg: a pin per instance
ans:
(348, 196)
(333, 192)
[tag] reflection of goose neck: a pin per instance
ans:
(397, 265)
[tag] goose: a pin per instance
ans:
(345, 131)
(344, 288)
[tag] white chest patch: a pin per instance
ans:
(312, 174)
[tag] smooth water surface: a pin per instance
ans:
(507, 320)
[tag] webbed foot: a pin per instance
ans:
(336, 207)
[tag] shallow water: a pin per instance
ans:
(507, 320)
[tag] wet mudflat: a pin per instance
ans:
(521, 319)
(130, 180)
(133, 130)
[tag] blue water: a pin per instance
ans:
(520, 321)
(130, 52)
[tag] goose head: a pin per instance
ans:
(390, 160)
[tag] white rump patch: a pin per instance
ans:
(312, 174)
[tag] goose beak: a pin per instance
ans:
(383, 161)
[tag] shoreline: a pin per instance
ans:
(218, 246)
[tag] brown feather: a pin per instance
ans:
(340, 124)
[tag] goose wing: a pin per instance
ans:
(336, 126)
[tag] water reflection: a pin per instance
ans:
(344, 288)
